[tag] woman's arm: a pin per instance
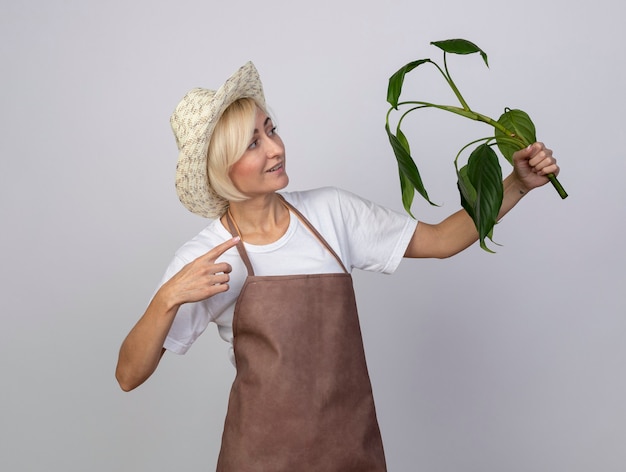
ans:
(457, 232)
(142, 349)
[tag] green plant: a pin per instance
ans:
(480, 180)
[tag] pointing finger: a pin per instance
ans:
(220, 249)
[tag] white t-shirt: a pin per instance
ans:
(364, 235)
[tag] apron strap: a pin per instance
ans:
(242, 250)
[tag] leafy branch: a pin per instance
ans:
(480, 180)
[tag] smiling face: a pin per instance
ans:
(261, 168)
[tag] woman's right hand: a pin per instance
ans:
(142, 349)
(200, 279)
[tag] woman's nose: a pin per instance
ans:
(274, 149)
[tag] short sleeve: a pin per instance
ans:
(366, 235)
(192, 319)
(377, 236)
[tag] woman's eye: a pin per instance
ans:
(252, 144)
(272, 131)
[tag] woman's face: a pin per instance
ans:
(261, 168)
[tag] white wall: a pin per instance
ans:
(513, 361)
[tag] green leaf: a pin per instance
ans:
(485, 176)
(408, 191)
(467, 191)
(460, 46)
(522, 129)
(394, 89)
(407, 168)
(403, 141)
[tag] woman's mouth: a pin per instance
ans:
(275, 168)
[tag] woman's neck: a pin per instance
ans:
(260, 220)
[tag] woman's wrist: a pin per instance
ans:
(514, 191)
(164, 302)
(513, 186)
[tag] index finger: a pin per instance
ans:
(220, 249)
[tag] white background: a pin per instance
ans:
(513, 361)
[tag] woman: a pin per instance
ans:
(272, 271)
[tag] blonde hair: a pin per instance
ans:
(229, 141)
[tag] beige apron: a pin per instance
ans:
(301, 400)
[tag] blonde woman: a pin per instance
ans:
(272, 270)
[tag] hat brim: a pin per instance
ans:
(193, 123)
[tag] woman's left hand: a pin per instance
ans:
(532, 165)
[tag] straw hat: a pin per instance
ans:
(193, 123)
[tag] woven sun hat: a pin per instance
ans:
(193, 122)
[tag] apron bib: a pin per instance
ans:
(301, 400)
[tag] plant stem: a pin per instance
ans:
(468, 113)
(557, 185)
(407, 112)
(453, 85)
